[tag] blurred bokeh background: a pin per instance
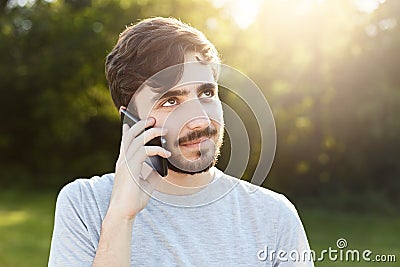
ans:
(328, 68)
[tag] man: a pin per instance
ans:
(165, 73)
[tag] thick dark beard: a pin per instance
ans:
(174, 168)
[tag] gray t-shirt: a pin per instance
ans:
(230, 222)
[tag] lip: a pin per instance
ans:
(196, 142)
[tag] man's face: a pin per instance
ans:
(192, 113)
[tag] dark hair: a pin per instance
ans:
(148, 47)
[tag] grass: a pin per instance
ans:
(377, 233)
(26, 222)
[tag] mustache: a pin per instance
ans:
(206, 132)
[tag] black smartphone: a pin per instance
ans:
(158, 163)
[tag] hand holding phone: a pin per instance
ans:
(158, 163)
(130, 193)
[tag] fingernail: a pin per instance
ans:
(151, 120)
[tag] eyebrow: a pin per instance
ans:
(206, 86)
(183, 92)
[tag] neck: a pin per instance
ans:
(184, 184)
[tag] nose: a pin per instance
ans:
(198, 123)
(198, 116)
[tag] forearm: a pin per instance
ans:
(114, 247)
(128, 197)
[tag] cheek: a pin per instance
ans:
(169, 121)
(160, 119)
(215, 113)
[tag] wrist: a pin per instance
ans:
(113, 217)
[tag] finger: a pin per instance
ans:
(146, 151)
(134, 131)
(145, 137)
(125, 128)
(157, 151)
(152, 133)
(148, 179)
(137, 129)
(154, 179)
(146, 186)
(146, 171)
(150, 182)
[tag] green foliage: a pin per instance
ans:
(55, 100)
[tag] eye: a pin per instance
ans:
(170, 102)
(207, 94)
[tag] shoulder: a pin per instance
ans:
(80, 208)
(81, 190)
(257, 193)
(275, 206)
(79, 185)
(263, 199)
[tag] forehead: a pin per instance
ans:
(196, 72)
(196, 69)
(191, 74)
(188, 75)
